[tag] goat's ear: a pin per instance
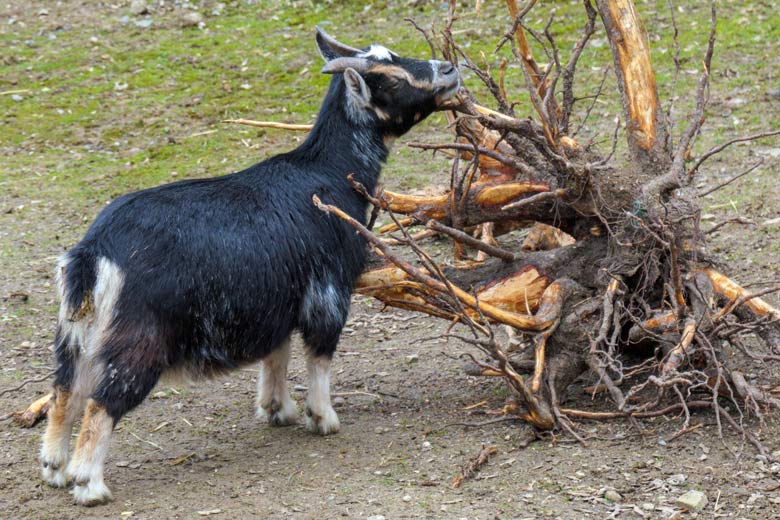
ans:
(330, 48)
(356, 87)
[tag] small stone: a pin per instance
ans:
(17, 97)
(612, 495)
(736, 102)
(692, 501)
(426, 446)
(407, 498)
(412, 358)
(648, 506)
(144, 24)
(339, 401)
(138, 7)
(125, 514)
(159, 395)
(376, 517)
(122, 463)
(677, 480)
(192, 19)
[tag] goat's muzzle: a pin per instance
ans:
(446, 80)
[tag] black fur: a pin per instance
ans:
(219, 272)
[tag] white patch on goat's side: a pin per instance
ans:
(93, 330)
(274, 403)
(320, 416)
(86, 468)
(378, 52)
(322, 302)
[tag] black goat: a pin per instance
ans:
(204, 276)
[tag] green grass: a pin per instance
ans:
(109, 107)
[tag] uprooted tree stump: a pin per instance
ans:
(615, 267)
(614, 277)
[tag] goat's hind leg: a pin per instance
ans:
(64, 407)
(274, 403)
(86, 467)
(56, 441)
(124, 385)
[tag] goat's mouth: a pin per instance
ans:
(447, 92)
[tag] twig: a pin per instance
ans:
(568, 71)
(697, 119)
(27, 382)
(732, 179)
(270, 124)
(539, 197)
(592, 103)
(482, 423)
(712, 151)
(150, 443)
(735, 220)
(425, 35)
(505, 159)
(497, 252)
(473, 464)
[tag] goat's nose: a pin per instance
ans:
(446, 68)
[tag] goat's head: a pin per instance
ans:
(385, 89)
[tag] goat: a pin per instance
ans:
(204, 276)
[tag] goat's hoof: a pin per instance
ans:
(324, 423)
(276, 414)
(91, 493)
(54, 474)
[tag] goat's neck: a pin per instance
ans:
(344, 146)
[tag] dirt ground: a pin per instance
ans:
(196, 449)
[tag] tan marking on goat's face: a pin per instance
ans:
(399, 73)
(381, 114)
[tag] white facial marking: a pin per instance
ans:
(378, 52)
(434, 70)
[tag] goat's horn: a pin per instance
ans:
(335, 45)
(341, 64)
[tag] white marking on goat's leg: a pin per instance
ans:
(274, 403)
(56, 441)
(86, 467)
(320, 416)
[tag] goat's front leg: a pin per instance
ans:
(320, 416)
(274, 403)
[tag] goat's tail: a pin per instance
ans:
(76, 277)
